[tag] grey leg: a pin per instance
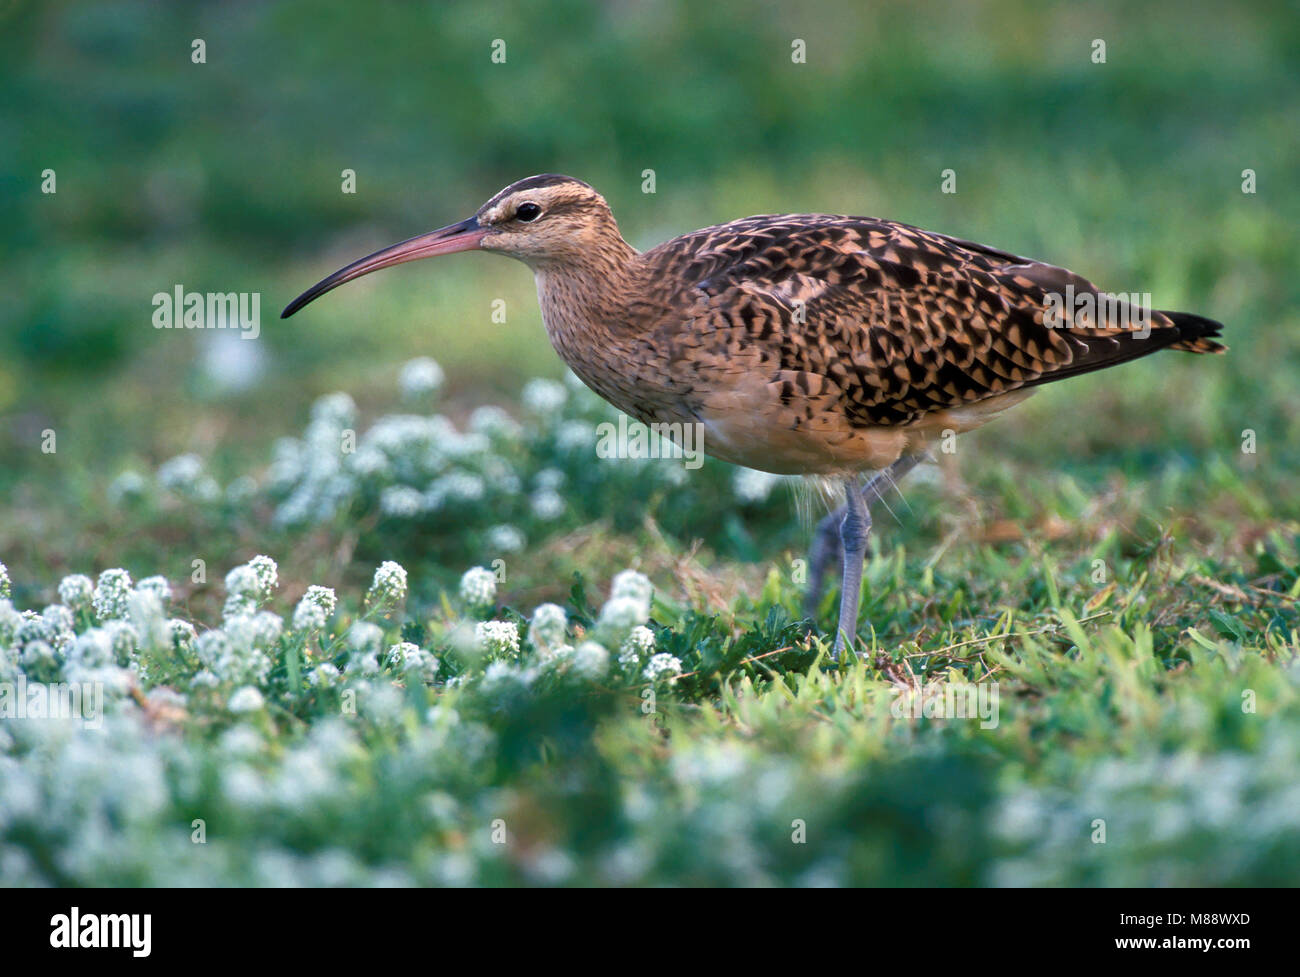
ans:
(853, 535)
(825, 553)
(826, 548)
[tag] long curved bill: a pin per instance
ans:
(464, 236)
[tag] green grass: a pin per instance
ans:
(1144, 728)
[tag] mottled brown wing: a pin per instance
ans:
(905, 321)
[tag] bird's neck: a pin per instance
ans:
(586, 304)
(596, 317)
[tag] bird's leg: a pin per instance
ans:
(826, 542)
(853, 536)
(825, 552)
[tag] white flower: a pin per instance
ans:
(315, 608)
(324, 675)
(639, 643)
(308, 616)
(409, 657)
(547, 504)
(239, 741)
(10, 622)
(245, 699)
(556, 655)
(182, 633)
(498, 639)
(231, 652)
(212, 646)
(239, 605)
(145, 611)
(370, 461)
(181, 474)
(494, 423)
(549, 478)
(267, 628)
(753, 486)
(59, 618)
(365, 637)
(458, 485)
(242, 581)
(112, 594)
(389, 585)
(420, 378)
(663, 666)
(5, 589)
(590, 660)
(92, 649)
(122, 638)
(401, 501)
(76, 591)
(158, 586)
(322, 597)
(37, 654)
(267, 573)
(543, 396)
(621, 614)
(575, 436)
(505, 539)
(128, 485)
(500, 674)
(363, 664)
(336, 410)
(674, 475)
(630, 583)
(547, 627)
(34, 627)
(478, 588)
(398, 652)
(251, 584)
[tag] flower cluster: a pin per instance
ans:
(111, 594)
(491, 486)
(478, 588)
(315, 608)
(421, 378)
(498, 639)
(389, 586)
(249, 586)
(621, 625)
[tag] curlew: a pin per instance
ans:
(801, 343)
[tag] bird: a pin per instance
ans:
(801, 344)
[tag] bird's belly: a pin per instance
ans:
(748, 421)
(789, 450)
(813, 435)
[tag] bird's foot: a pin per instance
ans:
(827, 549)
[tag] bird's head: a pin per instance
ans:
(540, 220)
(545, 219)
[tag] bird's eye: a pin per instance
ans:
(528, 212)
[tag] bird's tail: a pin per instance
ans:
(1196, 333)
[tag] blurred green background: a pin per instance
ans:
(225, 176)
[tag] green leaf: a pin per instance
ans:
(1227, 626)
